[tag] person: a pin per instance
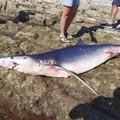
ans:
(69, 9)
(114, 10)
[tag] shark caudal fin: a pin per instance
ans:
(77, 76)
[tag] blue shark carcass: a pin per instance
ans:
(64, 62)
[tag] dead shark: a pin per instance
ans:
(72, 60)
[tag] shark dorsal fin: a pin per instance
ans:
(80, 42)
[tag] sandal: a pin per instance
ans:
(64, 40)
(118, 27)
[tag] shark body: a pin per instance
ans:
(64, 62)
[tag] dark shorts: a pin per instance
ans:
(116, 2)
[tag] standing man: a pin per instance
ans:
(69, 10)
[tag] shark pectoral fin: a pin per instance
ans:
(77, 76)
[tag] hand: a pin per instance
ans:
(84, 4)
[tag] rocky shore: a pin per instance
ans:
(28, 27)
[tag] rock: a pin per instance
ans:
(24, 36)
(1, 84)
(44, 97)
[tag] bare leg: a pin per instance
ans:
(71, 17)
(66, 18)
(113, 14)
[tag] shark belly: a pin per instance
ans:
(86, 63)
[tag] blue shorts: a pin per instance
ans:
(116, 2)
(70, 2)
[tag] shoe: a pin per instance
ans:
(107, 25)
(118, 27)
(64, 40)
(68, 36)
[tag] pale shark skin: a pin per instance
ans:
(64, 62)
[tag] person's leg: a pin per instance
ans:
(64, 20)
(69, 10)
(71, 17)
(114, 11)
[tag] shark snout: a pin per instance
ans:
(6, 63)
(12, 62)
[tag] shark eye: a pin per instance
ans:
(12, 57)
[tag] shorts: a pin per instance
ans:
(70, 2)
(116, 2)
